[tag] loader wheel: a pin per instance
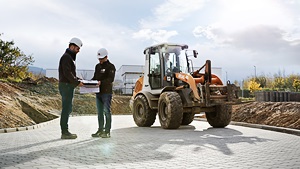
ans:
(221, 117)
(187, 118)
(170, 110)
(143, 115)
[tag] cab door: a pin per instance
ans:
(155, 71)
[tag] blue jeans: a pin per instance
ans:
(103, 102)
(66, 91)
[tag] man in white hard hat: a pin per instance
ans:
(67, 83)
(105, 74)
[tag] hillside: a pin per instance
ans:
(24, 104)
(33, 102)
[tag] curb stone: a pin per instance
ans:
(9, 130)
(264, 127)
(21, 128)
(2, 131)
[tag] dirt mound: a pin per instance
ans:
(40, 80)
(32, 102)
(7, 89)
(86, 104)
(280, 114)
(22, 107)
(120, 105)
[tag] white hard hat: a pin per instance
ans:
(102, 53)
(76, 41)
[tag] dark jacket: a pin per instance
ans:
(106, 74)
(67, 68)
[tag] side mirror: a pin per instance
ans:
(195, 53)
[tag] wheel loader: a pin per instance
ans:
(173, 90)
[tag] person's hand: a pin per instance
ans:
(80, 84)
(99, 83)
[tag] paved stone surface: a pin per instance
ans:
(194, 146)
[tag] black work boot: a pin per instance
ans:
(105, 135)
(98, 133)
(67, 135)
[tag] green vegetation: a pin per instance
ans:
(278, 82)
(254, 86)
(296, 84)
(13, 62)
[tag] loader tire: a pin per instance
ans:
(170, 110)
(187, 118)
(221, 117)
(143, 115)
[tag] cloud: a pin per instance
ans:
(268, 44)
(169, 12)
(206, 32)
(158, 36)
(154, 27)
(260, 38)
(264, 44)
(236, 15)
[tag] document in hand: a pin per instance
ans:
(89, 82)
(90, 86)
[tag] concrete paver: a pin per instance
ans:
(193, 146)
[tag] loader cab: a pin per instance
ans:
(164, 61)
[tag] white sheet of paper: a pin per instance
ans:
(84, 89)
(89, 81)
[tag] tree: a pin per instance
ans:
(262, 80)
(253, 86)
(290, 80)
(13, 62)
(296, 84)
(279, 83)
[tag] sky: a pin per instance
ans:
(243, 37)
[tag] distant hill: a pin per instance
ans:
(37, 70)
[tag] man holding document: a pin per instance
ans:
(105, 75)
(67, 83)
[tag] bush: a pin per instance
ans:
(13, 62)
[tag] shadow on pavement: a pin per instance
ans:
(18, 148)
(128, 145)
